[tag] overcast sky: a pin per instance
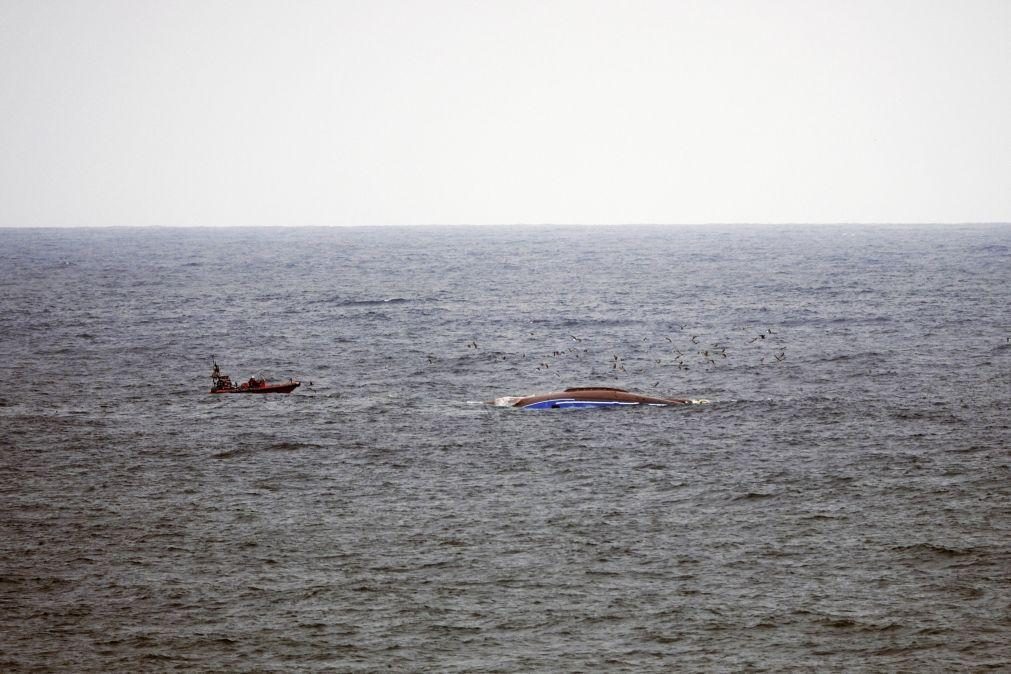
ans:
(203, 112)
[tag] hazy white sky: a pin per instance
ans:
(203, 112)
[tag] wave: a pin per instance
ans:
(585, 322)
(934, 550)
(367, 302)
(752, 496)
(282, 446)
(853, 356)
(996, 248)
(857, 625)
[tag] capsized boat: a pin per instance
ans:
(589, 396)
(222, 383)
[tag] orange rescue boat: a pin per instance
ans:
(222, 383)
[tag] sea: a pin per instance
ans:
(842, 502)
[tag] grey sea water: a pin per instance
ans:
(841, 505)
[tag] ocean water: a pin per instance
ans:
(841, 504)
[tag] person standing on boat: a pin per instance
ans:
(220, 380)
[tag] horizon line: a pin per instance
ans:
(535, 224)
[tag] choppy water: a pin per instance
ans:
(843, 504)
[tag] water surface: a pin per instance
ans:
(843, 503)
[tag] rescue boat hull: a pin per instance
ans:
(286, 387)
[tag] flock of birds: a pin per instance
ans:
(681, 349)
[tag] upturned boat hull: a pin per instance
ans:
(588, 397)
